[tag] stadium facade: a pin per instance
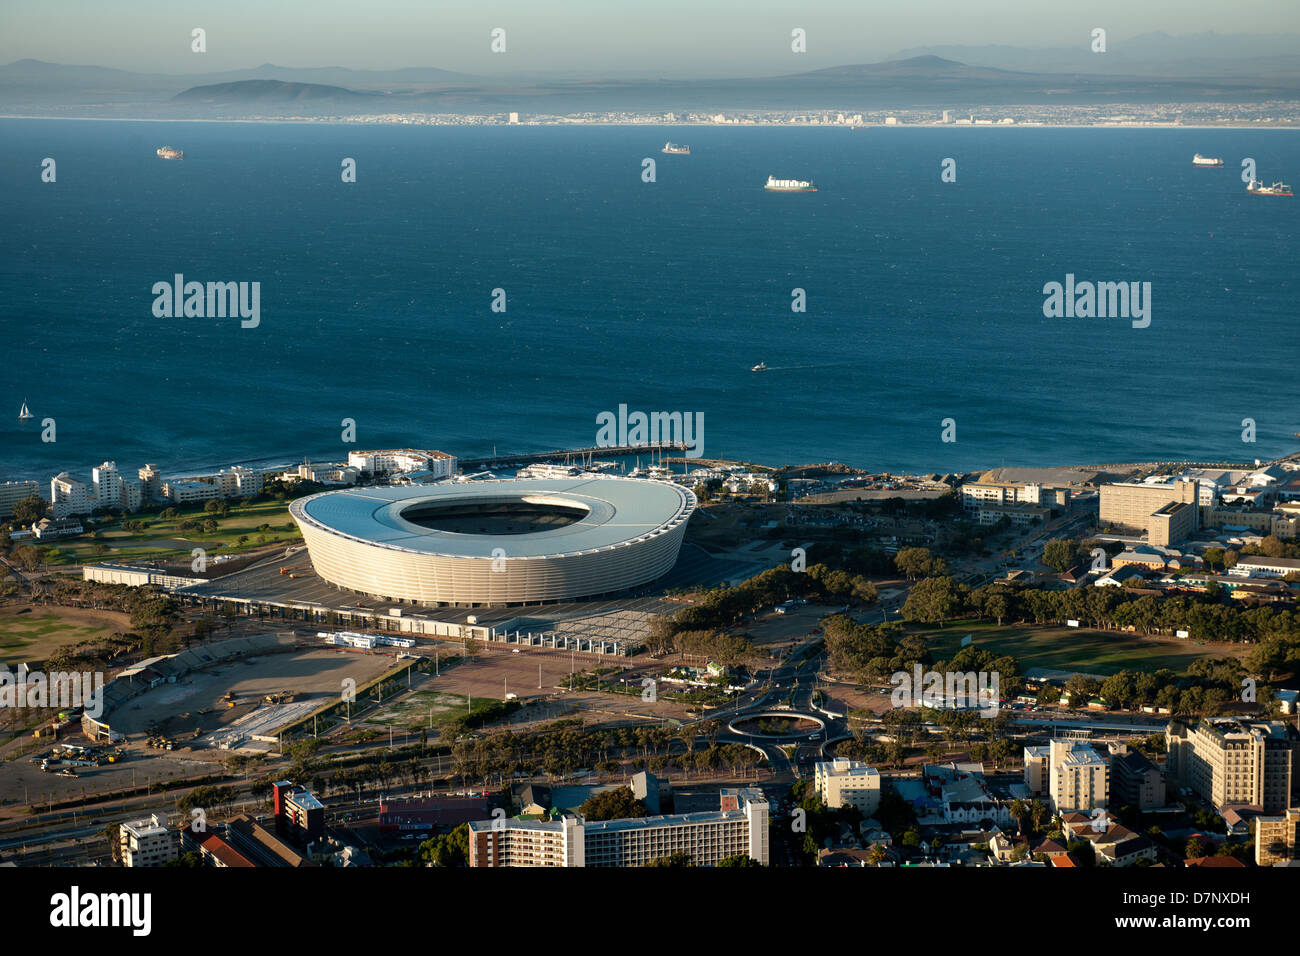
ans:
(493, 543)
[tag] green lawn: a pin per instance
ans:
(34, 636)
(163, 539)
(1067, 648)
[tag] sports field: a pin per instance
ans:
(1073, 649)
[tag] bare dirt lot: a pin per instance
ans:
(175, 708)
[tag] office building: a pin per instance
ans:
(1134, 780)
(299, 816)
(1166, 512)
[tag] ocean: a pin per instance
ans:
(924, 299)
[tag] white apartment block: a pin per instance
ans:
(1078, 777)
(404, 460)
(843, 782)
(146, 842)
(240, 482)
(740, 827)
(975, 495)
(186, 492)
(12, 492)
(71, 496)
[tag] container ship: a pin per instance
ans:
(789, 185)
(1277, 189)
(1207, 161)
(168, 152)
(676, 150)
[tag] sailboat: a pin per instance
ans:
(24, 413)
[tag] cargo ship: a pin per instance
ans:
(167, 152)
(675, 150)
(789, 185)
(1207, 161)
(1277, 189)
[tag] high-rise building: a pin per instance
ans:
(71, 496)
(1078, 777)
(1236, 761)
(150, 483)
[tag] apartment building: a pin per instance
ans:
(70, 496)
(1166, 512)
(150, 483)
(187, 492)
(12, 492)
(1078, 777)
(738, 827)
(404, 460)
(146, 842)
(979, 494)
(1277, 838)
(843, 782)
(1236, 761)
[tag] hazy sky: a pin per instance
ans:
(670, 37)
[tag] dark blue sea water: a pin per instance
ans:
(924, 298)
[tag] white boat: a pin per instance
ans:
(760, 367)
(24, 414)
(789, 185)
(1209, 162)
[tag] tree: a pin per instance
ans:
(1059, 554)
(933, 601)
(918, 563)
(616, 804)
(447, 849)
(30, 509)
(676, 860)
(740, 859)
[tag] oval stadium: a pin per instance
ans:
(491, 543)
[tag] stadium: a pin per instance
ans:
(492, 543)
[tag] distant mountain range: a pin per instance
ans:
(1153, 68)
